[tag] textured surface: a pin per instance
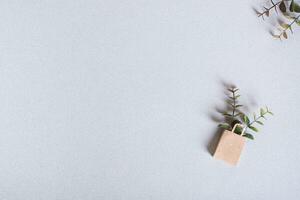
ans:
(117, 100)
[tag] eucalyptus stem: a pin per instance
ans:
(289, 26)
(233, 115)
(255, 120)
(234, 104)
(249, 124)
(267, 10)
(289, 9)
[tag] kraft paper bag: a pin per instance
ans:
(230, 146)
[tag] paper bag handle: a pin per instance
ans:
(233, 129)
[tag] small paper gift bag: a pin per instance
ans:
(230, 146)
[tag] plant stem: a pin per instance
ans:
(254, 121)
(233, 108)
(289, 26)
(268, 9)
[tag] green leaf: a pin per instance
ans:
(226, 114)
(294, 7)
(237, 96)
(246, 119)
(298, 22)
(238, 130)
(254, 116)
(259, 122)
(225, 126)
(262, 111)
(238, 114)
(253, 128)
(237, 106)
(282, 7)
(235, 121)
(285, 26)
(249, 136)
(270, 113)
(285, 35)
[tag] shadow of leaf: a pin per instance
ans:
(256, 11)
(212, 145)
(218, 117)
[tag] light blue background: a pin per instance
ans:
(115, 99)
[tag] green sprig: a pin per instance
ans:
(256, 120)
(234, 115)
(290, 10)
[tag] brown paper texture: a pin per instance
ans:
(230, 147)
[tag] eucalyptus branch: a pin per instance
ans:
(267, 10)
(286, 27)
(288, 8)
(262, 115)
(233, 112)
(233, 102)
